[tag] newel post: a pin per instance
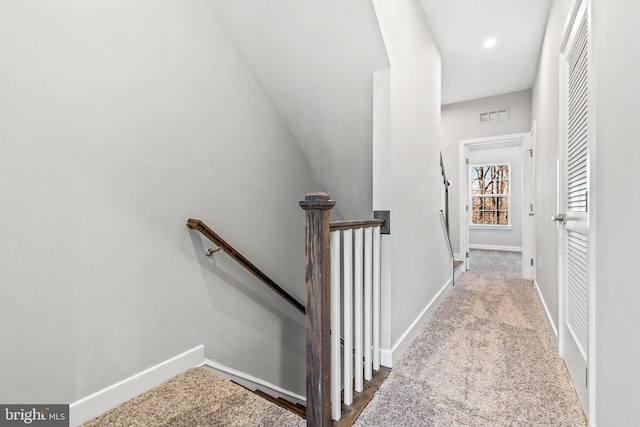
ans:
(317, 207)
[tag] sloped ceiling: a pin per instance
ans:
(315, 60)
(470, 71)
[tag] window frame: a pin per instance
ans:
(509, 209)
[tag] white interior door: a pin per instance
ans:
(573, 219)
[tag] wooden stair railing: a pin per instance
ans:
(200, 226)
(330, 279)
(321, 269)
(318, 269)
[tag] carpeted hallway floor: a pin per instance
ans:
(485, 358)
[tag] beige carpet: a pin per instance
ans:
(485, 358)
(197, 398)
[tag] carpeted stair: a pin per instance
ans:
(198, 398)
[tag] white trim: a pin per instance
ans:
(97, 403)
(252, 382)
(568, 25)
(503, 140)
(552, 326)
(464, 207)
(387, 356)
(593, 301)
(491, 227)
(529, 204)
(495, 247)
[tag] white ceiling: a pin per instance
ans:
(469, 71)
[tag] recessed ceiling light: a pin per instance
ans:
(489, 43)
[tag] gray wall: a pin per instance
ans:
(511, 237)
(315, 60)
(461, 121)
(617, 61)
(419, 259)
(614, 200)
(120, 120)
(546, 115)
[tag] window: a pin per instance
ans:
(490, 195)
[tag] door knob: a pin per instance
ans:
(559, 218)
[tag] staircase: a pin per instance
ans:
(199, 398)
(343, 317)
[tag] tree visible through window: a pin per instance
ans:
(490, 195)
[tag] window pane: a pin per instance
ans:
(487, 187)
(504, 186)
(474, 174)
(476, 187)
(503, 218)
(477, 217)
(489, 218)
(503, 203)
(490, 203)
(476, 203)
(494, 172)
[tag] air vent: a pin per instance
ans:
(497, 115)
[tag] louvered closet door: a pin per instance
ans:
(574, 259)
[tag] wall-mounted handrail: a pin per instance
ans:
(446, 233)
(200, 226)
(445, 229)
(444, 214)
(446, 185)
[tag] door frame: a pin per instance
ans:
(529, 212)
(524, 139)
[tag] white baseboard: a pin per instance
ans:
(97, 403)
(458, 257)
(552, 326)
(495, 247)
(388, 356)
(252, 382)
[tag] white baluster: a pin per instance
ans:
(357, 295)
(336, 404)
(367, 302)
(376, 298)
(347, 285)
